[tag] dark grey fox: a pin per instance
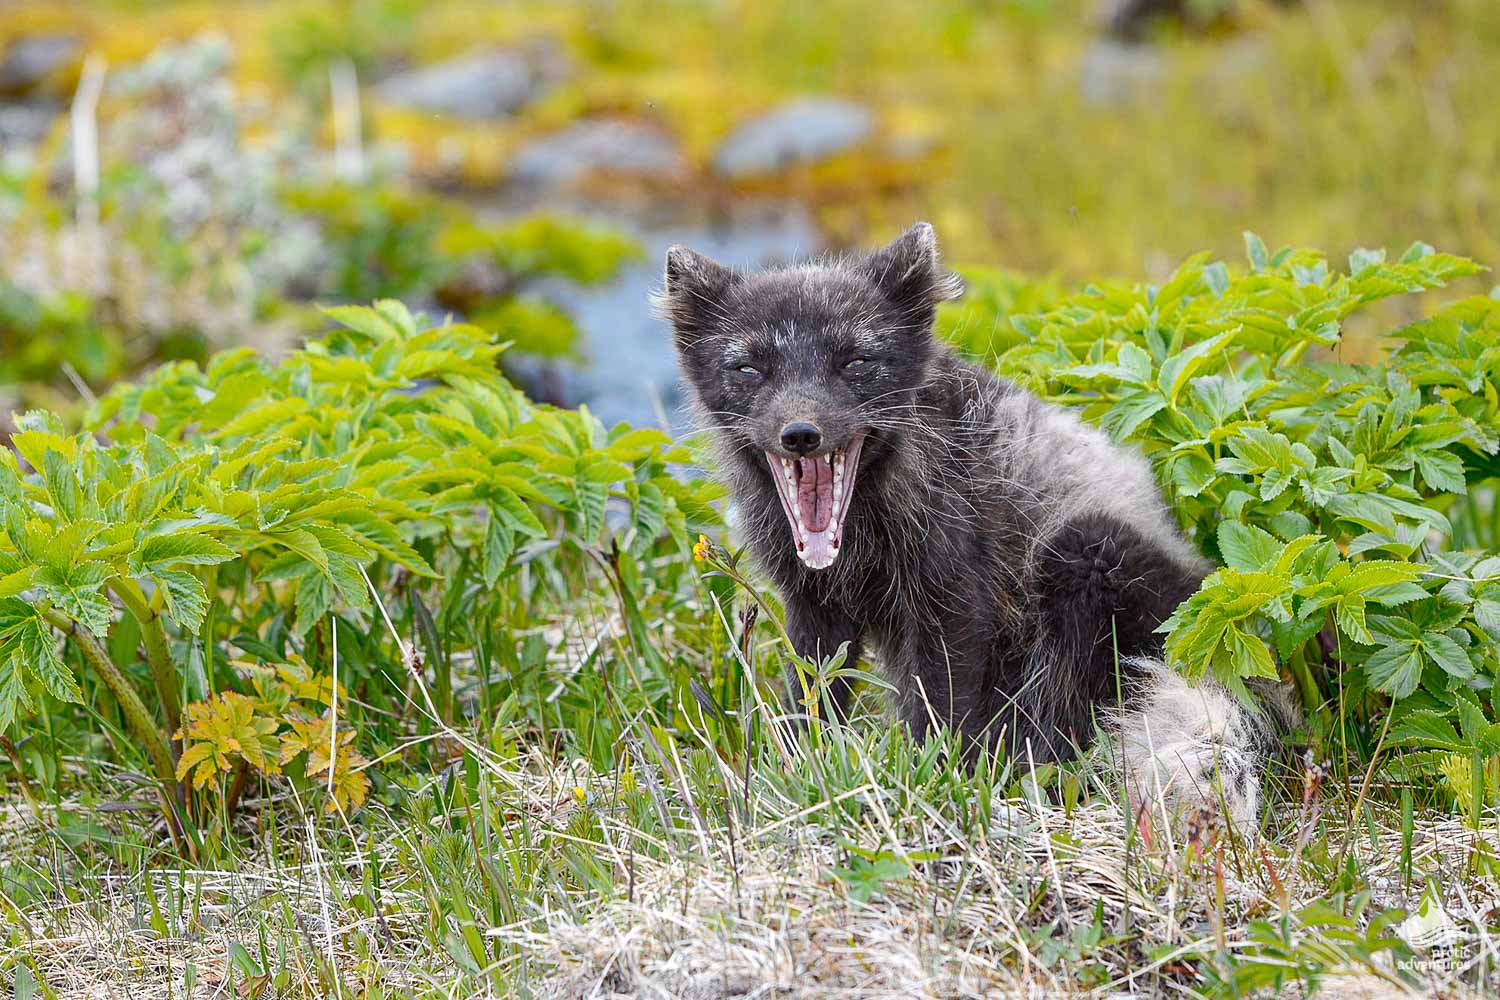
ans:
(1008, 563)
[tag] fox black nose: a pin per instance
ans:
(801, 437)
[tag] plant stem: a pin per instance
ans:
(136, 713)
(1307, 688)
(9, 749)
(1364, 787)
(236, 789)
(158, 655)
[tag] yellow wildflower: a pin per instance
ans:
(704, 549)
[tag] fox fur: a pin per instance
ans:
(1008, 563)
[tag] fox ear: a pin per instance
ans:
(692, 289)
(910, 273)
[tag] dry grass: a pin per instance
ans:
(1044, 901)
(965, 925)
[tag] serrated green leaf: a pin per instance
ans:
(603, 470)
(1395, 595)
(1290, 636)
(1256, 251)
(514, 511)
(1396, 669)
(1426, 728)
(1487, 614)
(1349, 613)
(499, 544)
(1133, 410)
(303, 543)
(15, 582)
(1250, 656)
(1192, 474)
(1379, 573)
(182, 548)
(1448, 655)
(14, 699)
(1178, 369)
(1216, 276)
(36, 648)
(1362, 258)
(63, 490)
(78, 592)
(635, 445)
(1292, 552)
(1246, 547)
(313, 601)
(1472, 722)
(394, 312)
(364, 320)
(1442, 471)
(186, 599)
(591, 498)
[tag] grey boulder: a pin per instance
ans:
(597, 145)
(801, 132)
(29, 61)
(481, 85)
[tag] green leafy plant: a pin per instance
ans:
(257, 505)
(1309, 944)
(1326, 490)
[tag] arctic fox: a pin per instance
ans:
(1008, 563)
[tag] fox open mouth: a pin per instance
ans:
(815, 494)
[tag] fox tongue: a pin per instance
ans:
(815, 492)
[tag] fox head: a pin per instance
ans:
(803, 371)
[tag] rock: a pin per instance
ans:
(804, 131)
(1112, 70)
(596, 145)
(481, 85)
(31, 60)
(24, 125)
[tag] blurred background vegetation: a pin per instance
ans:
(523, 163)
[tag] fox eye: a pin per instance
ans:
(855, 363)
(749, 371)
